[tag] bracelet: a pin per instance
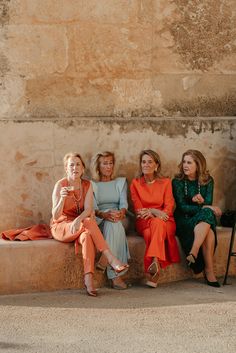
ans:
(98, 213)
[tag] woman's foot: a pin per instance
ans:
(151, 280)
(191, 259)
(89, 285)
(116, 264)
(211, 279)
(154, 268)
(102, 263)
(118, 283)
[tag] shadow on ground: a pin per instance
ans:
(190, 292)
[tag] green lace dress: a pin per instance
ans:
(188, 214)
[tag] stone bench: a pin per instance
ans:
(47, 265)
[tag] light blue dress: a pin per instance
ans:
(112, 195)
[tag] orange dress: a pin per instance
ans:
(89, 235)
(159, 235)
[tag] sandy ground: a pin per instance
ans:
(180, 317)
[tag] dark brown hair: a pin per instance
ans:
(203, 174)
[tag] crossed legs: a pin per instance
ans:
(204, 237)
(91, 240)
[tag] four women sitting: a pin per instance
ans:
(75, 199)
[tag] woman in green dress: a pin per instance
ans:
(195, 216)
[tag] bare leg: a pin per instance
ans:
(201, 231)
(88, 281)
(208, 253)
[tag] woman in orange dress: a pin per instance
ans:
(73, 219)
(153, 204)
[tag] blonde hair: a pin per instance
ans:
(203, 174)
(72, 154)
(95, 169)
(155, 156)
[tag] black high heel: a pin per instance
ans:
(215, 284)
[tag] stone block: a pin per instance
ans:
(35, 50)
(113, 51)
(194, 94)
(46, 265)
(67, 11)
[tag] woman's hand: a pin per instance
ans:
(198, 199)
(75, 225)
(217, 211)
(160, 214)
(64, 192)
(113, 215)
(144, 213)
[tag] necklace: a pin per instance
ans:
(149, 181)
(186, 188)
(77, 200)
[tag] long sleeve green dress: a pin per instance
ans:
(188, 214)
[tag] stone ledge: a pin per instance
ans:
(47, 265)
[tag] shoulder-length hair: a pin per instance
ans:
(72, 154)
(203, 174)
(95, 169)
(155, 156)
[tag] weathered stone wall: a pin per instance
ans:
(117, 58)
(90, 75)
(32, 152)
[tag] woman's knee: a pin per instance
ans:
(201, 225)
(89, 222)
(85, 238)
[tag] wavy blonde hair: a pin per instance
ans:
(72, 154)
(94, 168)
(203, 174)
(155, 156)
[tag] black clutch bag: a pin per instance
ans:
(228, 218)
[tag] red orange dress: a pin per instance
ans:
(89, 235)
(159, 235)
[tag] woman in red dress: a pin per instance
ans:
(153, 204)
(73, 219)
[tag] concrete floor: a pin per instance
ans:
(179, 317)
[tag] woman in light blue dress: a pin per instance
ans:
(110, 204)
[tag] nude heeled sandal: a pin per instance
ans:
(191, 259)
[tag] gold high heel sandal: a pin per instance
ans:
(154, 271)
(120, 268)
